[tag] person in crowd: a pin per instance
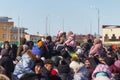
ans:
(116, 51)
(56, 60)
(71, 40)
(2, 70)
(97, 48)
(50, 44)
(26, 64)
(44, 49)
(34, 76)
(6, 62)
(13, 51)
(102, 72)
(2, 74)
(46, 70)
(89, 68)
(3, 77)
(78, 68)
(64, 70)
(18, 58)
(85, 48)
(30, 44)
(25, 48)
(61, 38)
(115, 69)
(6, 46)
(20, 48)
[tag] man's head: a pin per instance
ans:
(49, 64)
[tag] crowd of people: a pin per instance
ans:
(62, 59)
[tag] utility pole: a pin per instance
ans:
(98, 22)
(46, 26)
(63, 25)
(18, 30)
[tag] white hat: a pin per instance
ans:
(76, 66)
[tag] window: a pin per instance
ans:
(15, 37)
(4, 36)
(106, 38)
(4, 28)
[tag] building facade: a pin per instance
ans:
(8, 32)
(111, 34)
(5, 26)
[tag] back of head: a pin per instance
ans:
(63, 67)
(3, 77)
(97, 40)
(2, 70)
(30, 44)
(49, 38)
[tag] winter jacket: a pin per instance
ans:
(50, 46)
(25, 65)
(65, 76)
(80, 72)
(32, 76)
(79, 76)
(71, 41)
(44, 51)
(102, 68)
(46, 74)
(7, 63)
(96, 49)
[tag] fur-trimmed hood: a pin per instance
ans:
(31, 55)
(75, 66)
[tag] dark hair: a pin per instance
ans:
(30, 44)
(49, 61)
(49, 38)
(7, 42)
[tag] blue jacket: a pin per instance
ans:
(25, 65)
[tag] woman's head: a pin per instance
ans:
(87, 63)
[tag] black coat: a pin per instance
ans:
(32, 76)
(45, 73)
(7, 63)
(44, 52)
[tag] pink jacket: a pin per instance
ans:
(70, 41)
(102, 68)
(96, 49)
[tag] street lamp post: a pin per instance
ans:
(98, 21)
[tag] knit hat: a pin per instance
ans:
(117, 63)
(40, 43)
(36, 50)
